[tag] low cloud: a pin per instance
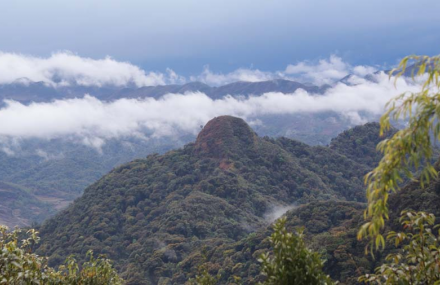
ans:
(242, 74)
(325, 71)
(48, 156)
(276, 211)
(92, 121)
(67, 68)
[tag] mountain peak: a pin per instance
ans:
(225, 135)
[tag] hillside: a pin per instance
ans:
(156, 216)
(331, 228)
(56, 172)
(19, 206)
(359, 143)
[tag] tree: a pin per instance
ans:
(407, 150)
(204, 278)
(18, 265)
(418, 260)
(292, 262)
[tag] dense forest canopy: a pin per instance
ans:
(155, 217)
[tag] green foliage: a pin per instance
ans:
(330, 228)
(205, 279)
(359, 143)
(152, 216)
(18, 265)
(418, 258)
(408, 149)
(51, 182)
(292, 261)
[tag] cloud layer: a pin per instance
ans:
(325, 71)
(94, 121)
(66, 68)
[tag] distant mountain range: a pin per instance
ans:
(25, 91)
(209, 202)
(54, 172)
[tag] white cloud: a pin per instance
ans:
(48, 156)
(276, 211)
(241, 74)
(67, 68)
(93, 121)
(325, 71)
(64, 68)
(174, 78)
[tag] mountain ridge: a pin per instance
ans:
(40, 92)
(154, 215)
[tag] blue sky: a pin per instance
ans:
(186, 35)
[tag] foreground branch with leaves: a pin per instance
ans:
(418, 260)
(410, 148)
(291, 262)
(18, 265)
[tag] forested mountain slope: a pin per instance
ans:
(157, 216)
(55, 172)
(18, 202)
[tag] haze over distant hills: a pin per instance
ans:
(25, 91)
(53, 169)
(53, 172)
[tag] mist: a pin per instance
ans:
(276, 211)
(93, 121)
(67, 68)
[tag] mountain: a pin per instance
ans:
(55, 172)
(359, 143)
(259, 88)
(331, 228)
(160, 217)
(19, 204)
(26, 91)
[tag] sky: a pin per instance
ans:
(189, 35)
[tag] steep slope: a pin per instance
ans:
(19, 207)
(57, 171)
(154, 215)
(359, 143)
(330, 227)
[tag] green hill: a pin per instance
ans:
(19, 206)
(55, 172)
(155, 216)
